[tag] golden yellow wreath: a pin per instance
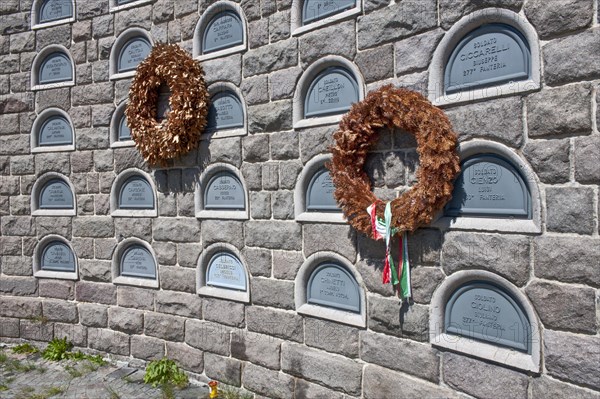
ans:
(180, 132)
(436, 145)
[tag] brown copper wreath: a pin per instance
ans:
(180, 132)
(436, 145)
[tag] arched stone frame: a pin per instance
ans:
(115, 122)
(39, 59)
(115, 51)
(115, 6)
(300, 212)
(38, 123)
(127, 280)
(203, 22)
(305, 81)
(480, 349)
(217, 292)
(323, 312)
(465, 25)
(532, 226)
(205, 177)
(37, 259)
(115, 190)
(35, 16)
(297, 28)
(37, 189)
(240, 131)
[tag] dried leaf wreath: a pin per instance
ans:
(180, 132)
(436, 145)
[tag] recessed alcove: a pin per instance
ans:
(222, 273)
(307, 15)
(133, 194)
(46, 13)
(134, 263)
(53, 195)
(52, 131)
(120, 135)
(52, 68)
(131, 47)
(221, 31)
(227, 114)
(221, 193)
(54, 257)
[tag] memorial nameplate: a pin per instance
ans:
(132, 53)
(314, 10)
(224, 191)
(319, 196)
(225, 111)
(56, 194)
(53, 10)
(224, 30)
(332, 92)
(124, 132)
(226, 271)
(56, 68)
(137, 261)
(332, 286)
(490, 55)
(483, 311)
(57, 256)
(136, 193)
(55, 131)
(489, 186)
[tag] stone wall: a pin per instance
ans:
(266, 346)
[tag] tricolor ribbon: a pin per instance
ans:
(383, 229)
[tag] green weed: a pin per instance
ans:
(165, 372)
(25, 348)
(57, 349)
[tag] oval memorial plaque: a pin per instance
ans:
(319, 196)
(224, 191)
(489, 186)
(136, 193)
(224, 30)
(132, 53)
(124, 132)
(56, 67)
(57, 256)
(332, 92)
(490, 55)
(56, 194)
(225, 111)
(226, 271)
(56, 130)
(314, 10)
(332, 286)
(53, 10)
(483, 311)
(137, 261)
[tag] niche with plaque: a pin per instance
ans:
(132, 53)
(136, 193)
(489, 186)
(124, 134)
(314, 10)
(224, 30)
(319, 195)
(52, 131)
(333, 91)
(54, 258)
(224, 191)
(332, 286)
(55, 68)
(120, 135)
(53, 11)
(222, 274)
(137, 261)
(56, 194)
(225, 112)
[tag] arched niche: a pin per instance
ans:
(313, 194)
(222, 273)
(131, 47)
(52, 131)
(120, 135)
(134, 263)
(496, 191)
(227, 114)
(118, 5)
(329, 287)
(221, 193)
(307, 15)
(221, 30)
(325, 92)
(46, 13)
(54, 257)
(52, 67)
(53, 195)
(133, 194)
(483, 315)
(490, 53)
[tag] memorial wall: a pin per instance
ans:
(235, 259)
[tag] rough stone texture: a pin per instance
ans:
(96, 292)
(126, 320)
(92, 315)
(258, 261)
(260, 349)
(570, 209)
(59, 289)
(272, 384)
(559, 17)
(108, 341)
(270, 117)
(277, 323)
(177, 230)
(587, 169)
(342, 42)
(60, 311)
(573, 358)
(390, 317)
(550, 159)
(283, 83)
(545, 387)
(414, 53)
(147, 348)
(223, 369)
(223, 68)
(274, 235)
(280, 55)
(178, 279)
(186, 356)
(571, 58)
(207, 336)
(425, 281)
(20, 307)
(170, 328)
(270, 292)
(36, 330)
(138, 298)
(488, 382)
(217, 231)
(180, 304)
(332, 337)
(18, 286)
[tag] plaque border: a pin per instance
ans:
(37, 260)
(115, 51)
(212, 178)
(205, 177)
(480, 349)
(115, 121)
(321, 303)
(118, 253)
(297, 28)
(115, 191)
(37, 190)
(341, 71)
(115, 6)
(36, 65)
(210, 133)
(39, 122)
(202, 289)
(119, 56)
(35, 16)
